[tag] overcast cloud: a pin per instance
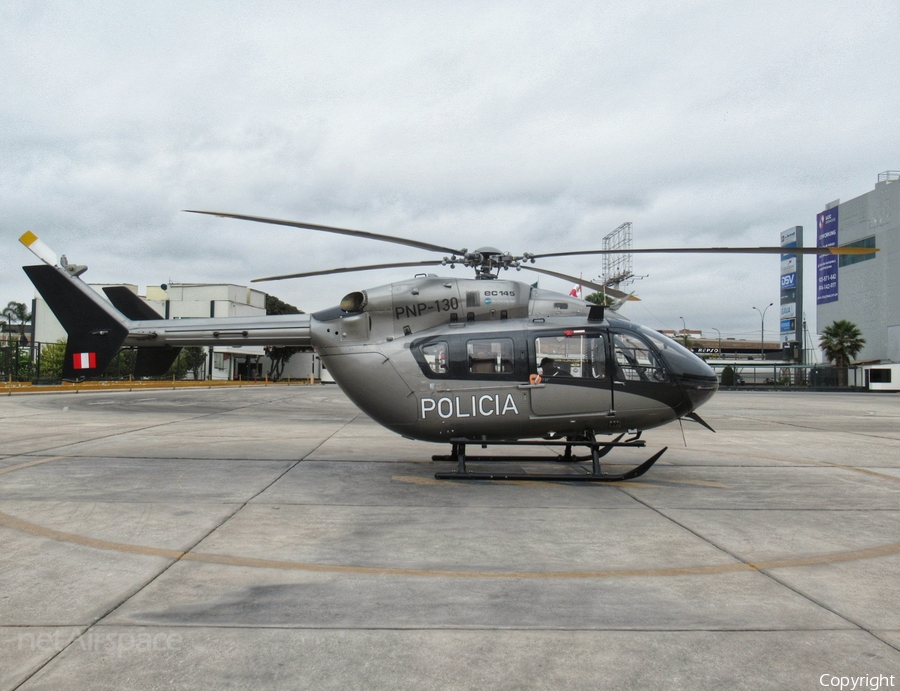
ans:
(527, 126)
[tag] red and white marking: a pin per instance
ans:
(85, 360)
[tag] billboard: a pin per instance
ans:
(827, 265)
(789, 265)
(791, 286)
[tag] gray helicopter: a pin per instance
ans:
(483, 360)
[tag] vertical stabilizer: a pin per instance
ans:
(149, 362)
(95, 335)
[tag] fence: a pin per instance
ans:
(785, 376)
(42, 363)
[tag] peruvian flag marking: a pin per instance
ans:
(85, 360)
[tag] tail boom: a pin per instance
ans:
(97, 329)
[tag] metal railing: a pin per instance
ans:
(783, 376)
(41, 363)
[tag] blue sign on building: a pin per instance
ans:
(827, 266)
(789, 281)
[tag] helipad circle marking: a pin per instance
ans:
(829, 558)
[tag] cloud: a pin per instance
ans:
(517, 125)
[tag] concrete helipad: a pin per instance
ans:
(277, 538)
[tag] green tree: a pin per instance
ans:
(52, 357)
(280, 355)
(728, 376)
(276, 306)
(599, 298)
(192, 358)
(841, 343)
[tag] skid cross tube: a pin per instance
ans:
(598, 450)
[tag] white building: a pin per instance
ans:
(863, 289)
(186, 301)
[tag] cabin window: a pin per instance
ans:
(435, 355)
(580, 356)
(490, 356)
(635, 361)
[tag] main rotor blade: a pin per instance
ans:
(349, 269)
(719, 250)
(331, 229)
(612, 292)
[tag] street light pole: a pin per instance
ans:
(720, 340)
(762, 330)
(684, 331)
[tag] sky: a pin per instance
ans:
(531, 127)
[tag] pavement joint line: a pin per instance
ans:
(174, 555)
(21, 525)
(162, 424)
(328, 438)
(767, 567)
(811, 428)
(864, 471)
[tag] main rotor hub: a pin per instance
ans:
(487, 261)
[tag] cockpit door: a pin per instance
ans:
(640, 379)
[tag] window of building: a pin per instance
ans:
(848, 259)
(880, 376)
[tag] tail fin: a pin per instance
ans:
(130, 304)
(150, 362)
(95, 335)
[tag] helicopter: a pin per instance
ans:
(465, 361)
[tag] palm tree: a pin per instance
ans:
(841, 343)
(17, 312)
(599, 298)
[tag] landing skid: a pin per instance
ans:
(598, 450)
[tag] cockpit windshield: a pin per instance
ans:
(679, 359)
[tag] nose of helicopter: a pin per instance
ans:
(695, 378)
(698, 389)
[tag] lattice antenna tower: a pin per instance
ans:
(617, 268)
